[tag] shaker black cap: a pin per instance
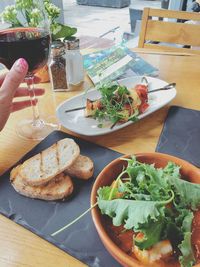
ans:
(71, 43)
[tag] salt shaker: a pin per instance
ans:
(74, 61)
(58, 72)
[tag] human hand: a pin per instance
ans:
(9, 89)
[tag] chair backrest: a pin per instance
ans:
(164, 30)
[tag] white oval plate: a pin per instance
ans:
(76, 122)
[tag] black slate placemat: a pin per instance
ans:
(44, 217)
(180, 136)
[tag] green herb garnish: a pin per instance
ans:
(114, 97)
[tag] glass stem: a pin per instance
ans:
(36, 116)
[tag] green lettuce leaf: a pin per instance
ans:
(131, 213)
(148, 179)
(187, 257)
(173, 233)
(152, 234)
(189, 193)
(106, 191)
(172, 170)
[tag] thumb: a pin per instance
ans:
(12, 80)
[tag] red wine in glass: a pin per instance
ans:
(32, 44)
(20, 39)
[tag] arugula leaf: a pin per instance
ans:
(189, 193)
(114, 98)
(107, 90)
(187, 258)
(122, 90)
(128, 212)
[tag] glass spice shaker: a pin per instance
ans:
(74, 61)
(57, 66)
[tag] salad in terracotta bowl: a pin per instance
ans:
(147, 210)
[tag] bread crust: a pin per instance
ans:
(47, 175)
(59, 188)
(43, 167)
(82, 168)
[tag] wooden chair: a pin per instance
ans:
(170, 35)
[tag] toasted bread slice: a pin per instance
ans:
(60, 187)
(44, 166)
(82, 168)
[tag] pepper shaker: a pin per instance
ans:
(74, 61)
(58, 72)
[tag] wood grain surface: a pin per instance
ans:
(21, 248)
(170, 34)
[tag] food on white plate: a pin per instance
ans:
(42, 167)
(48, 174)
(118, 103)
(153, 215)
(82, 168)
(59, 188)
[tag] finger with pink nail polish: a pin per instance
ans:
(13, 79)
(21, 65)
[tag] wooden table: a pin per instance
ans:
(18, 246)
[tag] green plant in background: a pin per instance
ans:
(31, 16)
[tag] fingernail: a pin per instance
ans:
(21, 65)
(34, 102)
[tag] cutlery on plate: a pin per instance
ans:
(164, 88)
(74, 109)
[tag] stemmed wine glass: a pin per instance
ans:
(25, 33)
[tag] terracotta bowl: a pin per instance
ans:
(109, 173)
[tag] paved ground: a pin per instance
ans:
(96, 21)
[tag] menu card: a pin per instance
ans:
(114, 63)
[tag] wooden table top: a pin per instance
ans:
(18, 246)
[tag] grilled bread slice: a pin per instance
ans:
(82, 168)
(44, 166)
(59, 188)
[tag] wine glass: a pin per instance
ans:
(25, 33)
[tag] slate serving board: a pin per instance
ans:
(180, 135)
(44, 217)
